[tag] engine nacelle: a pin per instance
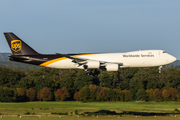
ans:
(93, 64)
(112, 67)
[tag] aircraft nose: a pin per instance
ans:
(172, 59)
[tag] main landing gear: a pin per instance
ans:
(93, 72)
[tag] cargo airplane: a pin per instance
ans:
(86, 61)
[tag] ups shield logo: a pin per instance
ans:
(16, 45)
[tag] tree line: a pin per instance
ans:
(127, 84)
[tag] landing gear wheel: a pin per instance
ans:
(96, 72)
(160, 67)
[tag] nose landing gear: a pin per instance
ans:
(160, 67)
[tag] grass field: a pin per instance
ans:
(94, 118)
(123, 110)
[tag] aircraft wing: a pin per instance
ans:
(75, 59)
(83, 60)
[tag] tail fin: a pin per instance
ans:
(19, 47)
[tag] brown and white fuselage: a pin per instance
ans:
(108, 61)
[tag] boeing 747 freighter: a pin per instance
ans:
(88, 61)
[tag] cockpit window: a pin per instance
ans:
(164, 51)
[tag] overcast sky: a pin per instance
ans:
(81, 26)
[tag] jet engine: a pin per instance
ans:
(93, 64)
(112, 67)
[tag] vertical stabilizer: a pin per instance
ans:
(17, 46)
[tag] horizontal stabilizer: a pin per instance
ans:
(17, 57)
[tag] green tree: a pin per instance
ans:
(125, 75)
(9, 77)
(67, 78)
(21, 92)
(111, 95)
(82, 80)
(105, 79)
(141, 94)
(117, 93)
(170, 78)
(127, 95)
(7, 95)
(84, 94)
